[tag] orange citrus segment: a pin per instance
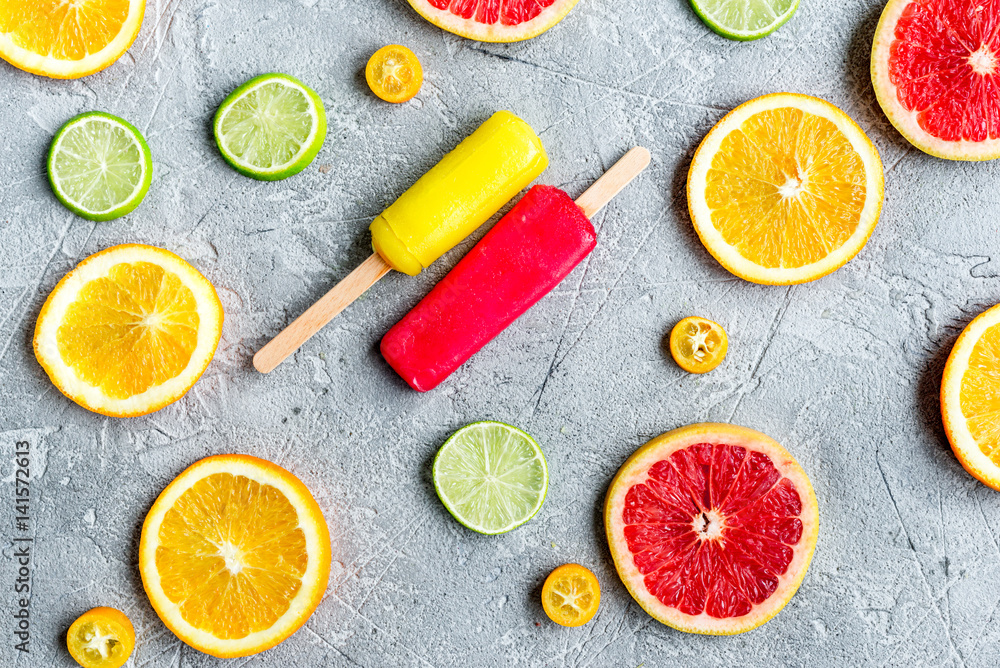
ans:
(67, 39)
(235, 555)
(394, 73)
(571, 595)
(101, 638)
(128, 331)
(247, 555)
(970, 397)
(698, 345)
(785, 189)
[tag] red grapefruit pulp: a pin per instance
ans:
(494, 20)
(711, 527)
(935, 69)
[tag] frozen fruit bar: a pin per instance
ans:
(517, 263)
(459, 193)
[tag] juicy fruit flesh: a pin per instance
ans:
(60, 29)
(745, 15)
(700, 342)
(980, 393)
(506, 12)
(131, 330)
(571, 597)
(98, 643)
(98, 165)
(395, 72)
(491, 477)
(712, 529)
(231, 555)
(943, 63)
(786, 188)
(268, 126)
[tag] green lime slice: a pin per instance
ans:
(491, 477)
(745, 20)
(99, 166)
(271, 127)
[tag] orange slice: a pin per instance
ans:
(785, 189)
(67, 40)
(129, 330)
(970, 398)
(101, 638)
(234, 555)
(394, 73)
(571, 595)
(698, 345)
(494, 20)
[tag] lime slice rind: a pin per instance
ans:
(99, 166)
(271, 127)
(745, 20)
(491, 477)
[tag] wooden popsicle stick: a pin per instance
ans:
(611, 183)
(316, 316)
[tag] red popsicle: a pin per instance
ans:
(526, 254)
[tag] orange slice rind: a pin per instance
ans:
(970, 398)
(234, 555)
(129, 330)
(67, 40)
(785, 189)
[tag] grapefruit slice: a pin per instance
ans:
(711, 528)
(934, 68)
(494, 20)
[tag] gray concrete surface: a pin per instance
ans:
(843, 371)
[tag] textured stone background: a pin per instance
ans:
(844, 371)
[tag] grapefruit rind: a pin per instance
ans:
(956, 427)
(494, 32)
(314, 580)
(726, 254)
(902, 119)
(634, 471)
(57, 68)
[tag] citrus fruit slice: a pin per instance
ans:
(698, 345)
(99, 166)
(571, 595)
(711, 528)
(234, 555)
(394, 74)
(491, 477)
(128, 331)
(744, 20)
(494, 20)
(271, 127)
(67, 40)
(785, 189)
(970, 398)
(101, 638)
(934, 68)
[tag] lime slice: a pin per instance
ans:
(271, 127)
(745, 19)
(491, 477)
(99, 166)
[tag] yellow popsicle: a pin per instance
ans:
(459, 193)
